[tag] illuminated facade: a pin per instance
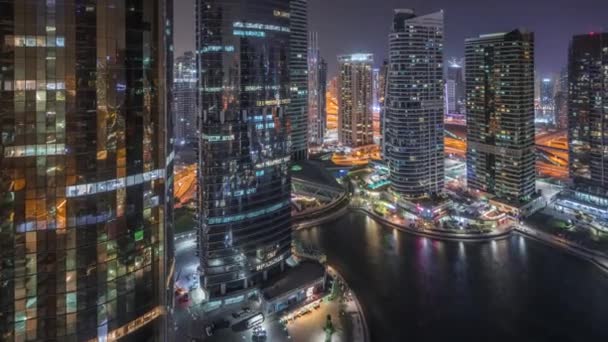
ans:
(545, 111)
(587, 109)
(317, 88)
(184, 98)
(561, 100)
(85, 165)
(414, 105)
(454, 88)
(244, 147)
(355, 97)
(500, 115)
(298, 70)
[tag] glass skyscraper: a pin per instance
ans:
(317, 88)
(298, 70)
(587, 110)
(455, 89)
(414, 105)
(500, 116)
(355, 97)
(184, 98)
(85, 170)
(244, 149)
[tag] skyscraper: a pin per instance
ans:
(317, 87)
(588, 95)
(184, 98)
(85, 165)
(298, 71)
(561, 100)
(455, 88)
(245, 185)
(414, 105)
(547, 100)
(500, 116)
(355, 94)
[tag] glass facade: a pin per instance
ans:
(244, 147)
(587, 109)
(414, 105)
(298, 71)
(184, 98)
(500, 115)
(317, 88)
(454, 89)
(84, 166)
(355, 97)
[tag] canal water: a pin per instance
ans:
(418, 289)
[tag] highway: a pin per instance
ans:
(185, 184)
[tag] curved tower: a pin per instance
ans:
(244, 89)
(84, 164)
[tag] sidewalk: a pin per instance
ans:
(436, 234)
(596, 257)
(354, 309)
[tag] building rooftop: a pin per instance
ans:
(314, 172)
(303, 274)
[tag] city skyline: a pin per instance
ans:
(307, 170)
(553, 23)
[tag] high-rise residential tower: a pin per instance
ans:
(244, 150)
(500, 116)
(85, 170)
(587, 110)
(317, 88)
(298, 71)
(355, 95)
(184, 99)
(414, 105)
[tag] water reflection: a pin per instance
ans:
(414, 288)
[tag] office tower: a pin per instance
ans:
(455, 88)
(547, 100)
(355, 100)
(184, 99)
(298, 71)
(244, 181)
(588, 85)
(85, 220)
(414, 104)
(547, 91)
(500, 116)
(317, 87)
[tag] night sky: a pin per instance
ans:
(348, 26)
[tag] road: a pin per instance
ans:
(185, 184)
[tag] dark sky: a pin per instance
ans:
(348, 26)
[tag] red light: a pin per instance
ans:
(591, 33)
